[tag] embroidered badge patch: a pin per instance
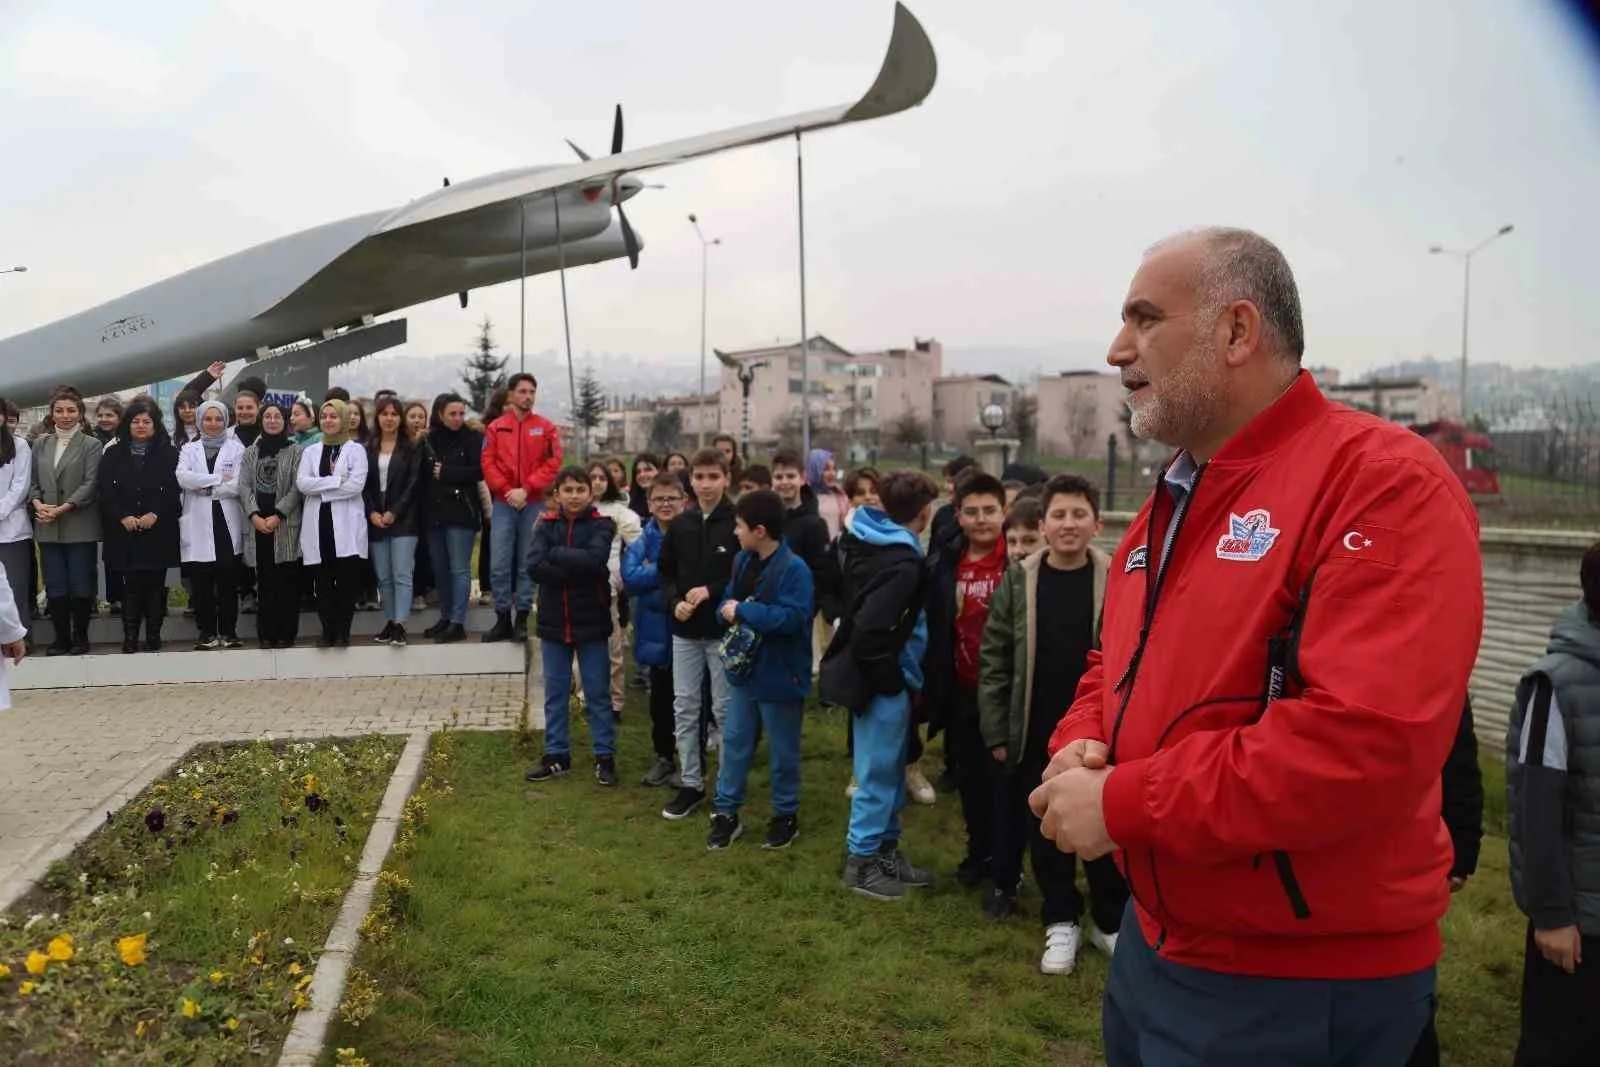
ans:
(1250, 536)
(1138, 560)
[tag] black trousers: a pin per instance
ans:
(143, 600)
(278, 601)
(1016, 831)
(215, 587)
(247, 575)
(338, 580)
(975, 772)
(1560, 1020)
(663, 722)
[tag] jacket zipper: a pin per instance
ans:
(566, 600)
(1131, 673)
(1282, 651)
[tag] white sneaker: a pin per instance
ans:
(1106, 943)
(1060, 949)
(918, 786)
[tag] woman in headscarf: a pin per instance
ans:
(62, 489)
(139, 509)
(271, 502)
(822, 475)
(394, 469)
(303, 422)
(454, 454)
(212, 530)
(333, 527)
(16, 533)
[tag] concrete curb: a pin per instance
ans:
(38, 862)
(303, 1046)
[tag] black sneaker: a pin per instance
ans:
(519, 629)
(781, 831)
(999, 904)
(683, 804)
(549, 767)
(232, 642)
(972, 871)
(208, 644)
(451, 634)
(436, 629)
(909, 874)
(397, 636)
(605, 770)
(501, 630)
(725, 830)
(873, 877)
(383, 635)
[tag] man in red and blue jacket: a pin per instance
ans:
(521, 455)
(1289, 628)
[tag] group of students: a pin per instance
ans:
(976, 621)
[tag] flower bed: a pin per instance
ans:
(186, 928)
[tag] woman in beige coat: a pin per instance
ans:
(66, 522)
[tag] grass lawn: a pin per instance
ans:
(566, 923)
(185, 929)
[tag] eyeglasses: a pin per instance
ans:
(657, 501)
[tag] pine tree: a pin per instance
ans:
(484, 372)
(591, 405)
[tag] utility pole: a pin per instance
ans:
(705, 266)
(1465, 255)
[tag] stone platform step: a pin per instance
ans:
(177, 662)
(107, 629)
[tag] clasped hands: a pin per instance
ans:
(135, 523)
(1068, 800)
(691, 600)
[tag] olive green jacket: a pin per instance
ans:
(1010, 645)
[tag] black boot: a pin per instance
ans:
(82, 608)
(155, 610)
(60, 609)
(452, 632)
(132, 612)
(519, 630)
(501, 631)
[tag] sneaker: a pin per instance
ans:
(852, 789)
(605, 770)
(725, 830)
(208, 644)
(918, 786)
(501, 630)
(999, 904)
(781, 831)
(660, 772)
(451, 634)
(1060, 949)
(680, 806)
(436, 629)
(549, 767)
(1106, 943)
(910, 875)
(397, 636)
(972, 871)
(873, 877)
(383, 635)
(232, 642)
(419, 604)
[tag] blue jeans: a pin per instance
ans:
(510, 541)
(450, 548)
(69, 569)
(746, 716)
(594, 667)
(1157, 1013)
(395, 558)
(692, 660)
(881, 734)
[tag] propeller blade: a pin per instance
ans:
(462, 296)
(630, 240)
(616, 132)
(581, 153)
(447, 183)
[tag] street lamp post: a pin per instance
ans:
(705, 265)
(993, 417)
(1465, 255)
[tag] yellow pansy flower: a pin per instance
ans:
(232, 1024)
(131, 949)
(140, 1027)
(37, 962)
(190, 1008)
(60, 948)
(294, 968)
(217, 977)
(5, 972)
(27, 987)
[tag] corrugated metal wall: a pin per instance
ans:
(1529, 576)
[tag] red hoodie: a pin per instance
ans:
(1301, 840)
(521, 454)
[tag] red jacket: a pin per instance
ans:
(1300, 840)
(521, 454)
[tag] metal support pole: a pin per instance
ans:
(805, 347)
(705, 266)
(1111, 472)
(566, 326)
(1466, 305)
(522, 290)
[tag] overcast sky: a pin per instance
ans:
(1063, 137)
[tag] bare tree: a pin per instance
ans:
(1025, 422)
(665, 429)
(908, 429)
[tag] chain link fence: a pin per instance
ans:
(1546, 454)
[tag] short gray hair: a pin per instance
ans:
(1242, 265)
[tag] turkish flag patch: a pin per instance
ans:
(1367, 543)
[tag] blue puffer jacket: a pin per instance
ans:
(652, 631)
(780, 610)
(570, 560)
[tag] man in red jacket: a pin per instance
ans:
(1288, 633)
(521, 456)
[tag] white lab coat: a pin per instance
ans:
(200, 487)
(628, 531)
(11, 630)
(340, 491)
(14, 525)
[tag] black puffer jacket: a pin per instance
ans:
(405, 482)
(698, 550)
(570, 560)
(453, 495)
(806, 534)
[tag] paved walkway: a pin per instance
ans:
(67, 756)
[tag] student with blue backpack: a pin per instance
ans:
(652, 631)
(768, 606)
